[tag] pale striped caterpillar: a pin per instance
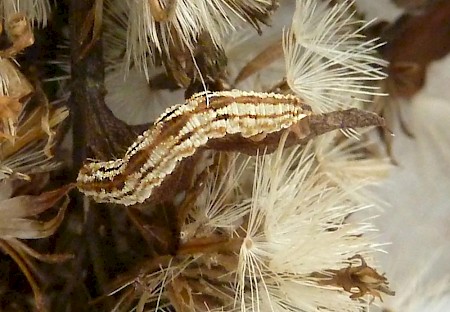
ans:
(179, 132)
(233, 120)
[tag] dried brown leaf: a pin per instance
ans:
(413, 42)
(14, 213)
(14, 226)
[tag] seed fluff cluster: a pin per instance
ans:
(328, 61)
(265, 233)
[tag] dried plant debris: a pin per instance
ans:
(15, 209)
(413, 42)
(30, 130)
(366, 279)
(32, 149)
(27, 135)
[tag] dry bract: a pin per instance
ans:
(363, 277)
(17, 221)
(14, 91)
(26, 135)
(19, 34)
(12, 82)
(31, 151)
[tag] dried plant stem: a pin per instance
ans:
(139, 270)
(96, 132)
(94, 248)
(272, 53)
(49, 258)
(350, 118)
(38, 296)
(191, 197)
(95, 126)
(93, 22)
(210, 245)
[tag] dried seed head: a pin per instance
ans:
(156, 28)
(328, 62)
(257, 245)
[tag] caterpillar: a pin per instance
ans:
(179, 132)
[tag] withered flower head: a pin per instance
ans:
(166, 27)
